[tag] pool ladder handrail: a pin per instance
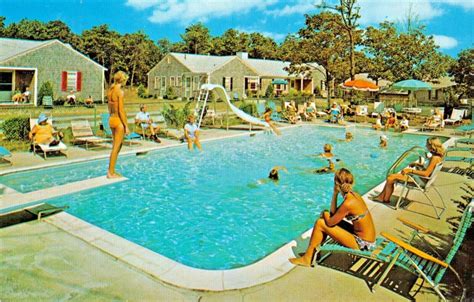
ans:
(403, 156)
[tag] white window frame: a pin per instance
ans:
(228, 83)
(172, 82)
(71, 80)
(179, 81)
(157, 82)
(163, 82)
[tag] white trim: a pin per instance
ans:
(35, 96)
(14, 68)
(103, 84)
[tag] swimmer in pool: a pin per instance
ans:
(273, 176)
(383, 141)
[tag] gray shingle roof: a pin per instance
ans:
(12, 47)
(201, 63)
(271, 68)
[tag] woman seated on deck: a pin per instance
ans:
(360, 234)
(433, 144)
(44, 133)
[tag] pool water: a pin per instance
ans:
(209, 210)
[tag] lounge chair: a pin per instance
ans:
(430, 268)
(260, 109)
(47, 101)
(108, 131)
(466, 141)
(456, 117)
(275, 115)
(362, 110)
(378, 109)
(82, 134)
(394, 252)
(5, 156)
(60, 148)
(422, 184)
(465, 129)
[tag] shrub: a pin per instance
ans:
(293, 92)
(269, 91)
(170, 94)
(249, 108)
(46, 89)
(176, 117)
(143, 92)
(16, 128)
(60, 101)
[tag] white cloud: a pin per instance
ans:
(374, 12)
(300, 7)
(187, 11)
(466, 4)
(445, 42)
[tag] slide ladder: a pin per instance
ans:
(416, 151)
(201, 105)
(220, 90)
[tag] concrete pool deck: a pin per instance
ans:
(72, 267)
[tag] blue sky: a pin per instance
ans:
(450, 21)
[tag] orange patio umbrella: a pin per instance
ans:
(360, 85)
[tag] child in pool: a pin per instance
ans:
(383, 141)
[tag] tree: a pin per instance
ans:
(230, 42)
(323, 41)
(463, 72)
(105, 47)
(140, 55)
(349, 13)
(290, 44)
(164, 46)
(407, 55)
(262, 47)
(197, 39)
(2, 25)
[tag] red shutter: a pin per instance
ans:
(64, 81)
(79, 81)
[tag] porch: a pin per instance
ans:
(18, 85)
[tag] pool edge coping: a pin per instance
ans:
(166, 270)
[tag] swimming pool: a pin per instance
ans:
(207, 210)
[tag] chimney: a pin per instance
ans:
(242, 55)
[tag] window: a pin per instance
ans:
(253, 83)
(71, 80)
(196, 83)
(227, 83)
(163, 82)
(6, 81)
(157, 82)
(179, 81)
(172, 83)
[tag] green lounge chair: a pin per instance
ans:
(47, 101)
(430, 268)
(5, 156)
(108, 131)
(395, 252)
(275, 115)
(260, 109)
(422, 184)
